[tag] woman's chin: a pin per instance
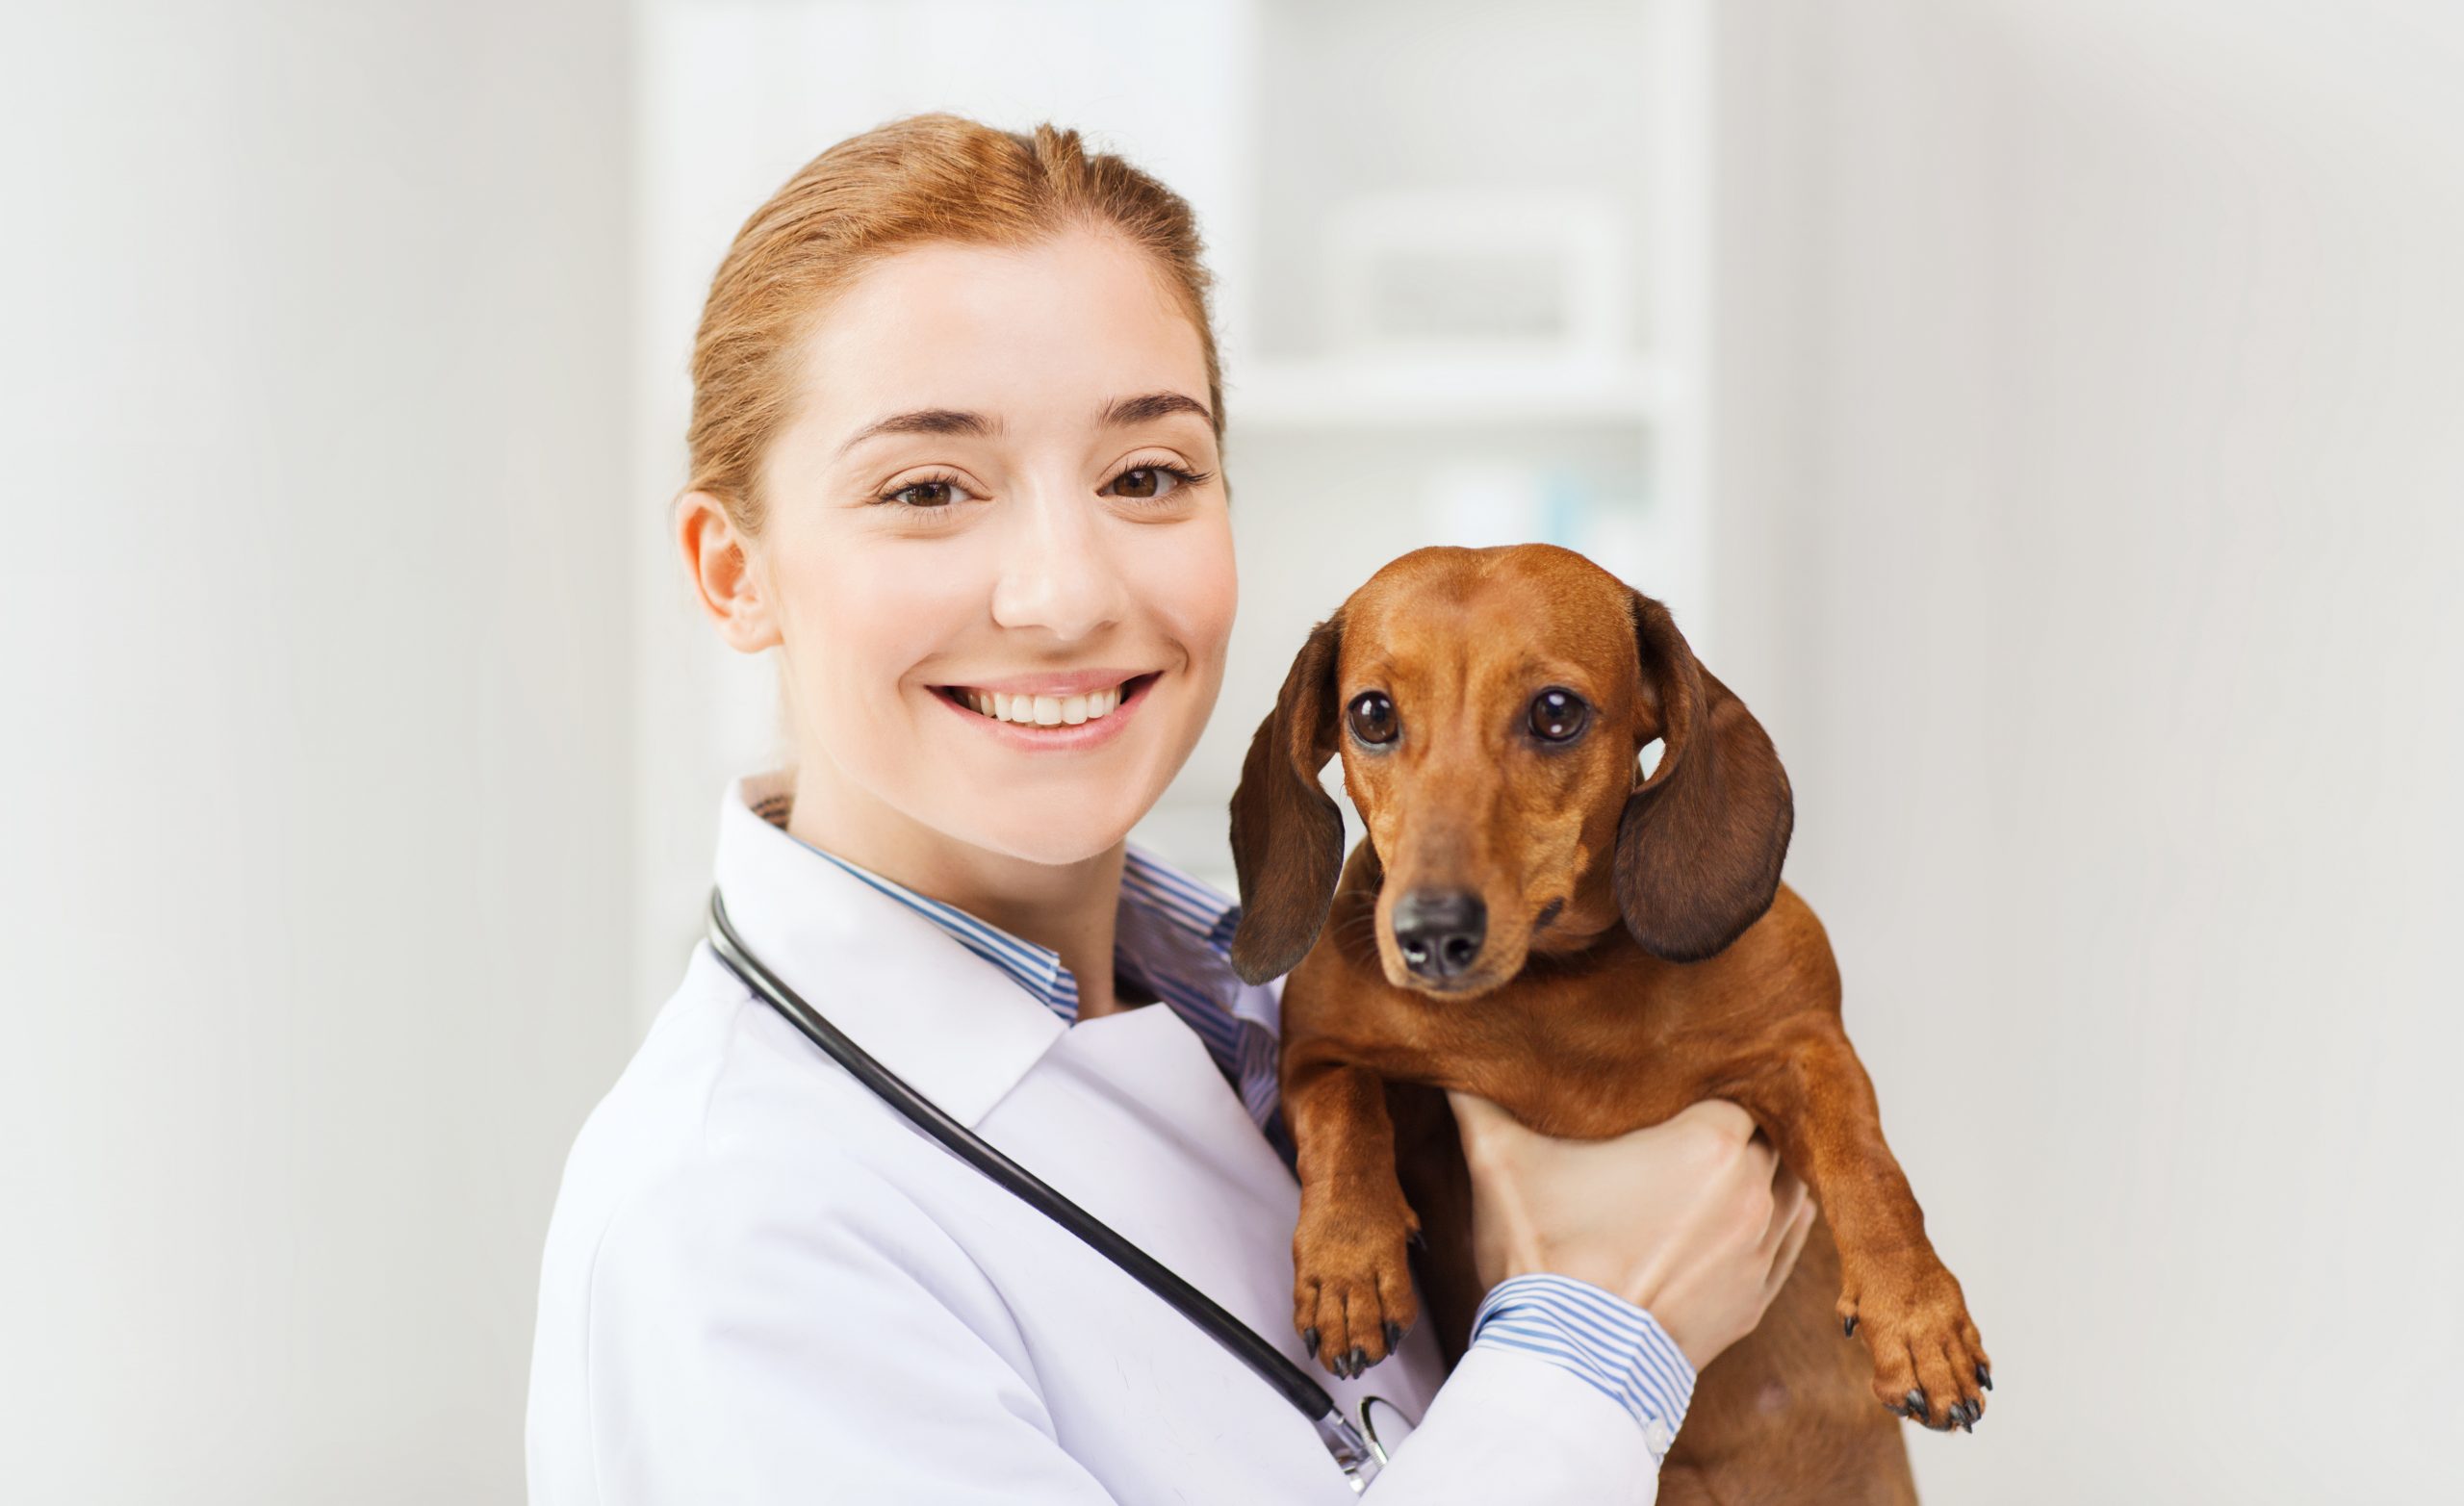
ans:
(1062, 837)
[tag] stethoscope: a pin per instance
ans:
(1354, 1445)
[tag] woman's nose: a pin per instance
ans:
(1055, 572)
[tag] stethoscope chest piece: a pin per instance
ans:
(1384, 1426)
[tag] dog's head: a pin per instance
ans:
(1490, 707)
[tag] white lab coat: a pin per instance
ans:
(762, 1285)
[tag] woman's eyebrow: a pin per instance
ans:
(1124, 411)
(1119, 413)
(925, 421)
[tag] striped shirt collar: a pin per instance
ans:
(1171, 932)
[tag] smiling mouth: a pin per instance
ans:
(1033, 710)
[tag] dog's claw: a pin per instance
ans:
(1848, 1329)
(1358, 1359)
(1309, 1340)
(1983, 1379)
(1394, 1336)
(1915, 1402)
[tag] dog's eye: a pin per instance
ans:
(1557, 714)
(1372, 715)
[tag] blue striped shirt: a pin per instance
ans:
(1173, 933)
(1611, 1345)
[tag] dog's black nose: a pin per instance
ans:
(1439, 929)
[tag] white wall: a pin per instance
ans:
(316, 616)
(2092, 402)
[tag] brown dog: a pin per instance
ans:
(1532, 922)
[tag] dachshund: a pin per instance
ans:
(1531, 920)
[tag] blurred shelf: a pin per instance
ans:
(1451, 390)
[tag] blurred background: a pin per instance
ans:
(2047, 414)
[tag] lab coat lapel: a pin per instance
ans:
(950, 1023)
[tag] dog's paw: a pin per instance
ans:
(1351, 1292)
(1930, 1366)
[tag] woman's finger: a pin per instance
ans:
(1722, 1116)
(1481, 1123)
(1470, 1108)
(1787, 1195)
(1475, 1115)
(1791, 1245)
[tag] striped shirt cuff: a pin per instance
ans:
(1618, 1348)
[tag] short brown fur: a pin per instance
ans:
(1640, 954)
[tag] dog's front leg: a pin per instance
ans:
(1816, 1102)
(1351, 1290)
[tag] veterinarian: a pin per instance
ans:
(956, 452)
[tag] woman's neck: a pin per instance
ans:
(1070, 907)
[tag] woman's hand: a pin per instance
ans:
(1694, 1219)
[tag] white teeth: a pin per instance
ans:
(1043, 710)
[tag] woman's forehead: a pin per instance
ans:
(1047, 333)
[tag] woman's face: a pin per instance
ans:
(994, 550)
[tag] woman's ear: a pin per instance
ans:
(1701, 842)
(1287, 835)
(718, 561)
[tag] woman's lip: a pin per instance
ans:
(1065, 737)
(1076, 683)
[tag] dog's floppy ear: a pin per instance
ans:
(1701, 842)
(1287, 835)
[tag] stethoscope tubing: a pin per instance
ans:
(1244, 1342)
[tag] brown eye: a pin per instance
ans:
(1153, 483)
(1371, 717)
(931, 494)
(1557, 714)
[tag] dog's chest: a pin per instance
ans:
(1576, 1059)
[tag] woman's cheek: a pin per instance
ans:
(876, 609)
(1192, 585)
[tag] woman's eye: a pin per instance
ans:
(1371, 717)
(1557, 714)
(933, 493)
(1153, 483)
